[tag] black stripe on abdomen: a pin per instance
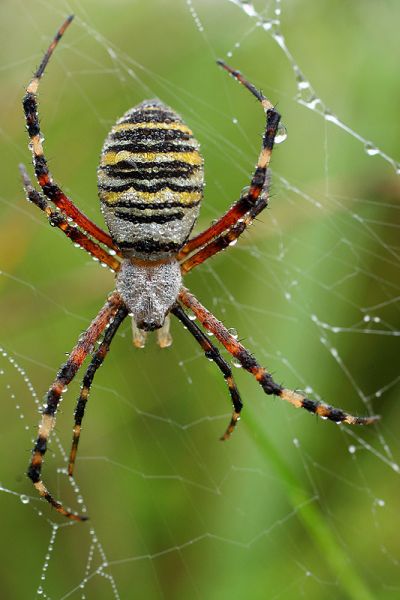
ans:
(159, 218)
(155, 187)
(149, 246)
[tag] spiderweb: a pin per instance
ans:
(289, 507)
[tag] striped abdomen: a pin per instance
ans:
(150, 181)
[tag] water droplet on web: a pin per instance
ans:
(380, 502)
(248, 9)
(229, 54)
(234, 121)
(280, 40)
(302, 84)
(370, 149)
(236, 363)
(313, 102)
(281, 134)
(24, 499)
(266, 25)
(352, 449)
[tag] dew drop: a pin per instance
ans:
(233, 242)
(24, 499)
(281, 134)
(192, 317)
(232, 331)
(236, 363)
(370, 149)
(249, 9)
(302, 84)
(267, 25)
(352, 449)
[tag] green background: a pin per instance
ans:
(284, 510)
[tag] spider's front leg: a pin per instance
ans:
(259, 181)
(57, 219)
(44, 177)
(53, 397)
(264, 378)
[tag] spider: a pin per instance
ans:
(150, 182)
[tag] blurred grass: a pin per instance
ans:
(149, 484)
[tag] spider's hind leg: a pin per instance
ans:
(264, 378)
(96, 362)
(212, 353)
(65, 375)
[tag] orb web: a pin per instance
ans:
(288, 504)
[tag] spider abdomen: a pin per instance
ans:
(150, 181)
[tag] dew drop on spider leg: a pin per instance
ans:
(236, 363)
(192, 317)
(281, 134)
(232, 331)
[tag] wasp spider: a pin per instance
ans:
(150, 182)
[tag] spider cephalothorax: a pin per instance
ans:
(150, 186)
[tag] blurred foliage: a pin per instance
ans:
(225, 512)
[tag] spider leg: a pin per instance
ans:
(264, 378)
(44, 177)
(96, 362)
(65, 375)
(246, 201)
(211, 352)
(57, 219)
(226, 239)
